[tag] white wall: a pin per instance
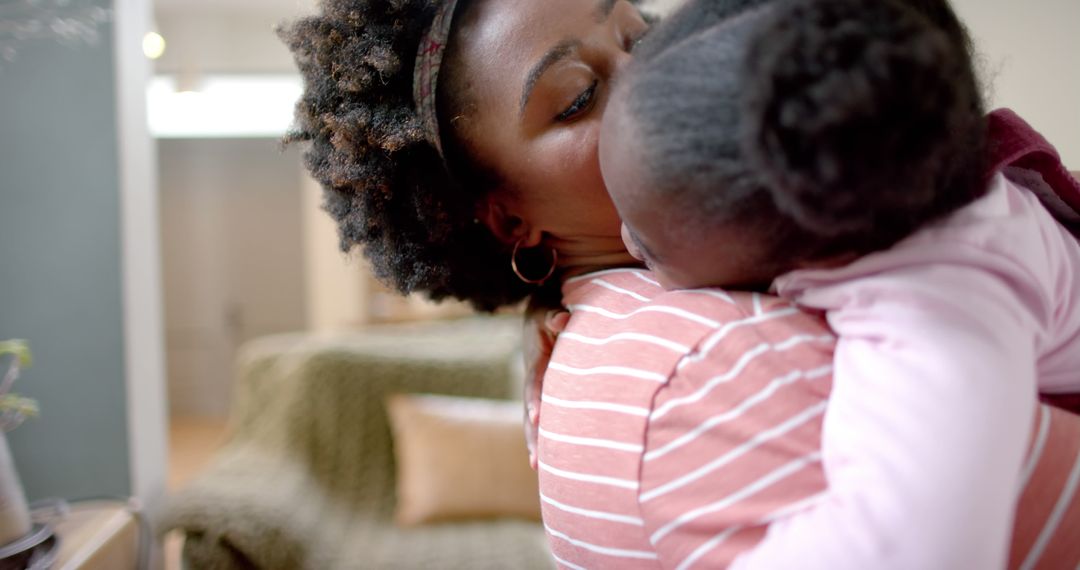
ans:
(207, 36)
(144, 362)
(1031, 63)
(208, 41)
(338, 285)
(342, 292)
(1030, 53)
(233, 260)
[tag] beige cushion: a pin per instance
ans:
(460, 458)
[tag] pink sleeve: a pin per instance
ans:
(927, 426)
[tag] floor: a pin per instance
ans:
(192, 443)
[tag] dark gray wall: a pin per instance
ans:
(60, 280)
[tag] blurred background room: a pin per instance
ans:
(158, 246)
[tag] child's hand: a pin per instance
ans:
(541, 328)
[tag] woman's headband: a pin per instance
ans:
(429, 58)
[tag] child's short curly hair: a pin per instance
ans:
(825, 127)
(385, 184)
(864, 117)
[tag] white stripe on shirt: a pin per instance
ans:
(620, 290)
(751, 401)
(590, 441)
(740, 364)
(589, 478)
(715, 338)
(1063, 504)
(771, 433)
(1037, 448)
(736, 370)
(614, 271)
(614, 370)
(569, 565)
(599, 406)
(650, 281)
(627, 336)
(589, 513)
(718, 294)
(801, 338)
(720, 538)
(607, 550)
(751, 489)
(647, 309)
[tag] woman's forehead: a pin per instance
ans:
(503, 40)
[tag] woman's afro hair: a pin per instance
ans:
(384, 184)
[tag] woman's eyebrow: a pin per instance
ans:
(557, 53)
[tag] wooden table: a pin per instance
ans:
(98, 536)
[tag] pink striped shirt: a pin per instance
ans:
(676, 427)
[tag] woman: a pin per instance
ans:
(482, 182)
(517, 118)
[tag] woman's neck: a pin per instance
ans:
(581, 255)
(581, 266)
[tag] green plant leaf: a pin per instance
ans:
(19, 349)
(13, 403)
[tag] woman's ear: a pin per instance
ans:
(509, 227)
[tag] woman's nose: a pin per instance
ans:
(620, 60)
(609, 50)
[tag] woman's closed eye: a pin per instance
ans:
(581, 104)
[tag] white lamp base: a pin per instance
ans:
(14, 514)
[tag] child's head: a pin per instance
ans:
(793, 133)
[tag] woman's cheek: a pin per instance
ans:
(565, 168)
(583, 158)
(570, 155)
(573, 148)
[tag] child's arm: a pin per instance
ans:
(927, 426)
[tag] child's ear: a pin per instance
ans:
(501, 217)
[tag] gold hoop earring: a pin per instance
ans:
(514, 266)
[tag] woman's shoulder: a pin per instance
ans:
(631, 301)
(632, 289)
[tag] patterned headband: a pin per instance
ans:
(429, 58)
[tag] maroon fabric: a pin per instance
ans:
(1013, 142)
(1069, 402)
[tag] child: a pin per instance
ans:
(836, 149)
